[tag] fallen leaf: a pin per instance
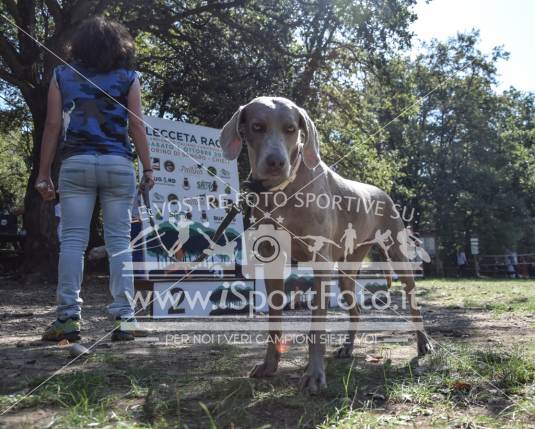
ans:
(63, 343)
(373, 358)
(461, 385)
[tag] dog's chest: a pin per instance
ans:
(297, 222)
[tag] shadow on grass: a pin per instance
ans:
(449, 381)
(207, 386)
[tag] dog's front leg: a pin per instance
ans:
(275, 293)
(313, 380)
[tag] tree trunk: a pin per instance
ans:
(30, 73)
(41, 245)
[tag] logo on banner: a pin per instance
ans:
(188, 163)
(169, 166)
(205, 185)
(169, 181)
(192, 170)
(157, 197)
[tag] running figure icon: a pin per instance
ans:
(349, 237)
(318, 243)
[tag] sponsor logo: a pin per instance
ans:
(169, 166)
(212, 171)
(224, 173)
(192, 170)
(156, 164)
(206, 185)
(185, 183)
(157, 197)
(165, 181)
(219, 219)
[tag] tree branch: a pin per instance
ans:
(80, 10)
(210, 7)
(11, 7)
(10, 55)
(164, 17)
(55, 10)
(10, 78)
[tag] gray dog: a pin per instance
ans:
(283, 149)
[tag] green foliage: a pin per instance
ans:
(468, 151)
(14, 170)
(431, 130)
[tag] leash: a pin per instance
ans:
(146, 200)
(250, 185)
(232, 212)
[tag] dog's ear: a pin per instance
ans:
(311, 146)
(230, 139)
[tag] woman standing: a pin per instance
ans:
(94, 103)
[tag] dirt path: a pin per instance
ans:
(157, 379)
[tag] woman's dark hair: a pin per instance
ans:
(102, 45)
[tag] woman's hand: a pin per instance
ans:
(45, 187)
(147, 181)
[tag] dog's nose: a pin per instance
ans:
(275, 162)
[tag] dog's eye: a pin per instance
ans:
(258, 127)
(290, 129)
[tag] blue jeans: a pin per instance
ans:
(81, 179)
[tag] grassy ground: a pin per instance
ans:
(481, 375)
(498, 296)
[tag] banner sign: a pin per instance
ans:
(202, 299)
(193, 185)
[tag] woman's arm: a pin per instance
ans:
(136, 129)
(54, 117)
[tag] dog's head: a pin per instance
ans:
(273, 129)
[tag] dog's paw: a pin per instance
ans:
(313, 381)
(343, 352)
(423, 343)
(262, 370)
